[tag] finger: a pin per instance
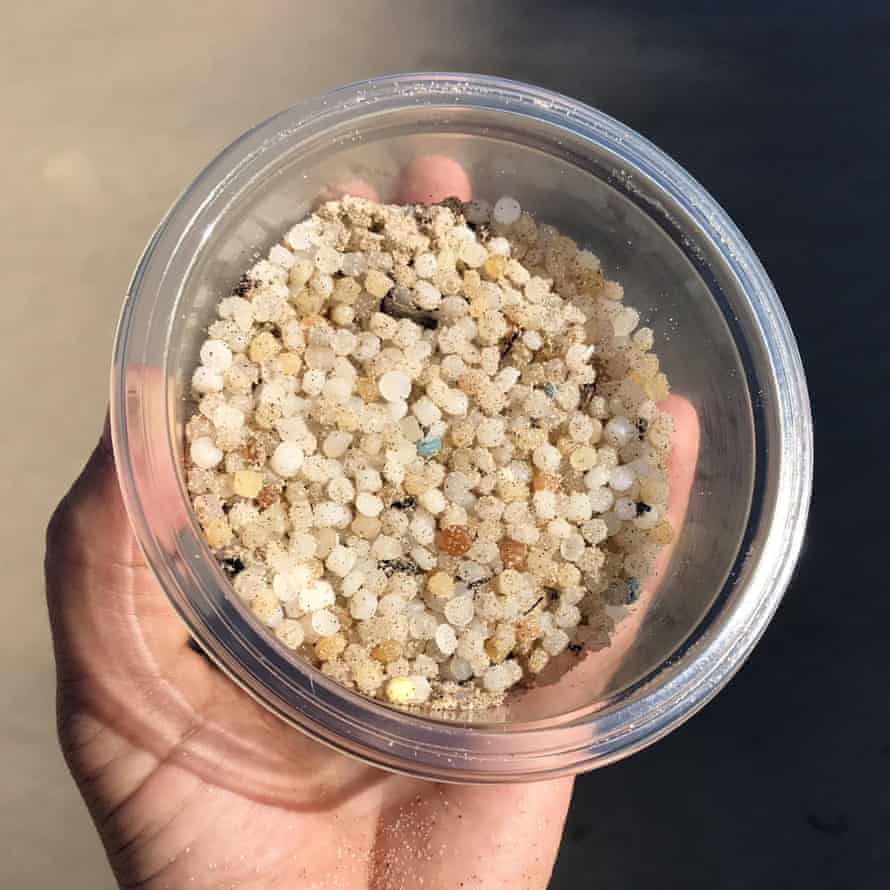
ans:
(590, 677)
(681, 474)
(98, 585)
(432, 178)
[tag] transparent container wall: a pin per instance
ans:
(675, 281)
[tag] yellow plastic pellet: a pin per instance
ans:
(653, 491)
(264, 346)
(218, 533)
(663, 533)
(441, 585)
(290, 363)
(494, 266)
(329, 648)
(377, 284)
(387, 651)
(247, 483)
(400, 690)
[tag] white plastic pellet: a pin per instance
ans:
(368, 504)
(473, 254)
(368, 479)
(506, 211)
(497, 678)
(578, 507)
(204, 453)
(546, 458)
(340, 561)
(325, 623)
(336, 444)
(555, 642)
(625, 321)
(446, 639)
(572, 547)
(490, 432)
(216, 356)
(426, 265)
(386, 547)
(427, 296)
(619, 431)
(313, 382)
(601, 499)
(205, 381)
(352, 582)
(433, 500)
(330, 514)
(362, 605)
(287, 459)
(290, 633)
(455, 403)
(625, 508)
(228, 417)
(460, 669)
(337, 390)
(423, 626)
(394, 386)
(316, 595)
(621, 478)
(459, 610)
(426, 411)
(397, 410)
(327, 260)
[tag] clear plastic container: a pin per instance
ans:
(721, 334)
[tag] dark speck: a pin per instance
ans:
(633, 590)
(642, 508)
(405, 503)
(391, 566)
(453, 203)
(232, 565)
(539, 600)
(508, 341)
(642, 426)
(243, 286)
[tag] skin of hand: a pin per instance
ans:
(191, 784)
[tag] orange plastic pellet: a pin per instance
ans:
(513, 553)
(454, 540)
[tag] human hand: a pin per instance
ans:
(192, 784)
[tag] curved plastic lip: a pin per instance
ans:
(409, 743)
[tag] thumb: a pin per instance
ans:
(100, 593)
(90, 526)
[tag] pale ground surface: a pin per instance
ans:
(113, 111)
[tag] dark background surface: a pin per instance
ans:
(782, 111)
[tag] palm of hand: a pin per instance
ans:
(191, 783)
